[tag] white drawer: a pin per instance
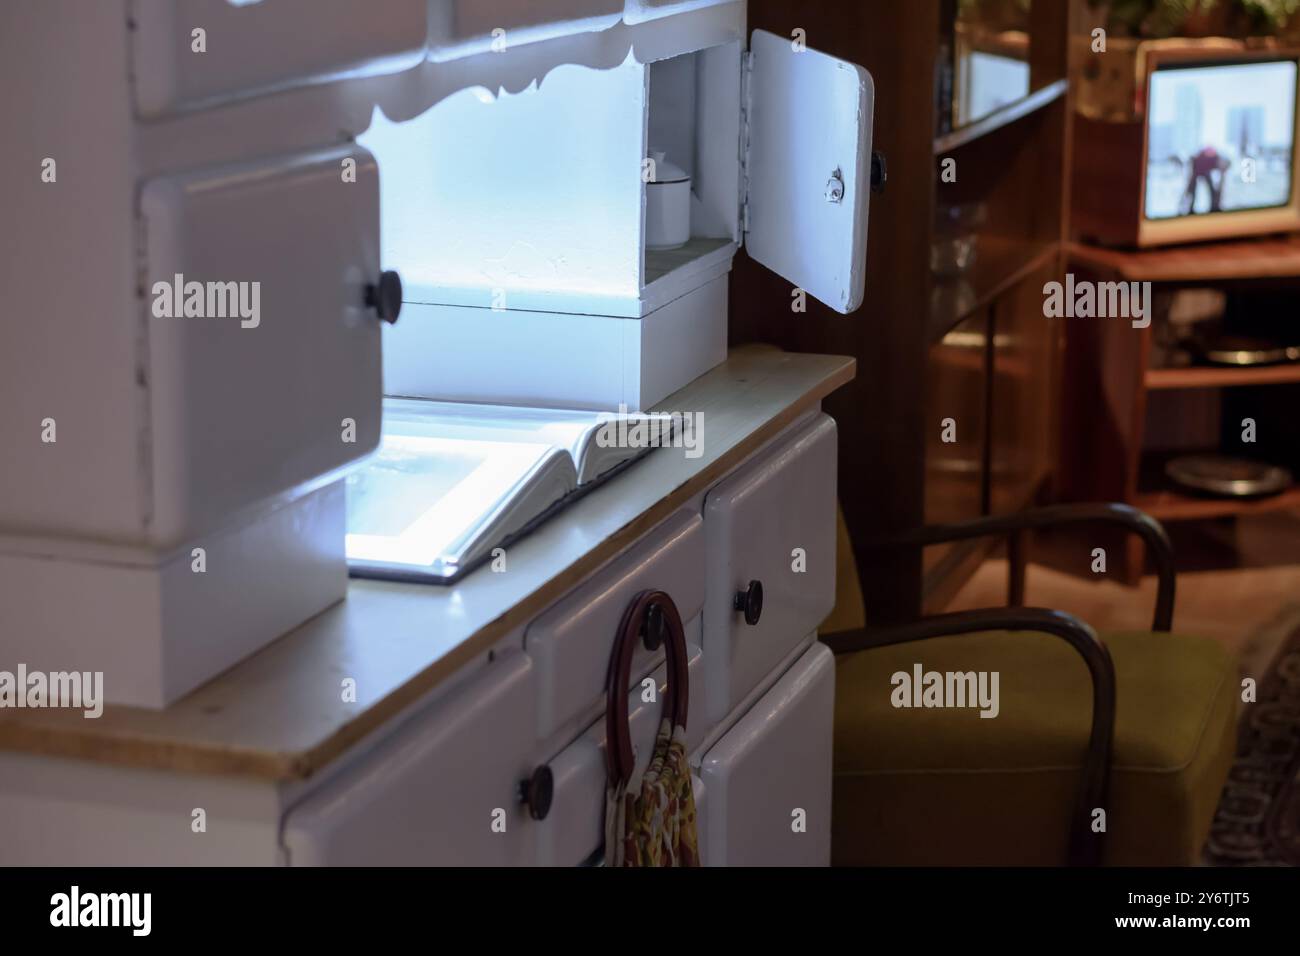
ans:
(263, 45)
(571, 643)
(773, 516)
(465, 27)
(772, 772)
(431, 792)
(243, 408)
(574, 828)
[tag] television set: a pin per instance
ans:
(1209, 152)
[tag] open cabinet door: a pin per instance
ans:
(809, 168)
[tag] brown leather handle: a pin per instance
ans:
(618, 735)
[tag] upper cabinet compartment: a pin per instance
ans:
(809, 168)
(691, 183)
(616, 191)
(460, 28)
(192, 53)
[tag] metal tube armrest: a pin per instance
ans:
(1126, 516)
(1085, 846)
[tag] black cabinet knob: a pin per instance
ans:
(750, 601)
(879, 172)
(385, 296)
(536, 792)
(654, 628)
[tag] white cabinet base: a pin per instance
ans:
(158, 629)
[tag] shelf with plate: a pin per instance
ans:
(1130, 391)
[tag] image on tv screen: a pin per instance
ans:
(1219, 138)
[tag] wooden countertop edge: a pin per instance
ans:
(194, 757)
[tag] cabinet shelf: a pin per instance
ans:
(1169, 504)
(1200, 376)
(1166, 500)
(999, 118)
(1000, 263)
(1241, 259)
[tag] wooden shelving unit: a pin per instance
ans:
(1112, 387)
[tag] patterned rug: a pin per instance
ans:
(1258, 819)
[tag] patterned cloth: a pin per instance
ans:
(653, 823)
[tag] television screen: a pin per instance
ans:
(1219, 138)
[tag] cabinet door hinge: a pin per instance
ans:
(746, 70)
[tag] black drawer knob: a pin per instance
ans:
(654, 628)
(536, 792)
(750, 601)
(385, 296)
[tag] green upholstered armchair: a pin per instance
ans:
(1108, 748)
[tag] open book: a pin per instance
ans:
(452, 481)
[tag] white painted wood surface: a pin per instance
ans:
(157, 631)
(250, 48)
(459, 28)
(571, 643)
(554, 359)
(573, 830)
(528, 200)
(239, 411)
(279, 714)
(810, 117)
(774, 763)
(429, 792)
(763, 524)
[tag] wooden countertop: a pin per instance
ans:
(278, 715)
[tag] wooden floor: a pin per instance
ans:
(1238, 582)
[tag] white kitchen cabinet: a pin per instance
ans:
(560, 228)
(256, 46)
(539, 233)
(287, 773)
(151, 448)
(257, 379)
(191, 439)
(571, 643)
(769, 533)
(436, 792)
(769, 777)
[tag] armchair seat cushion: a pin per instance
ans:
(918, 785)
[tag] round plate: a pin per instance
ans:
(1228, 477)
(1243, 350)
